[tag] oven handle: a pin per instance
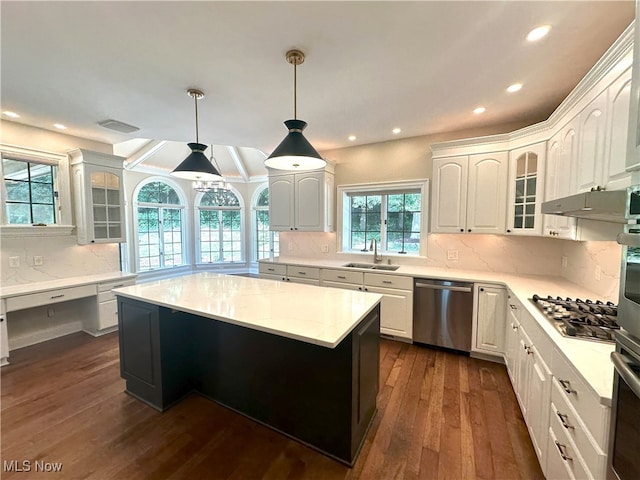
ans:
(629, 239)
(622, 364)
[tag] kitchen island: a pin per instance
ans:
(301, 359)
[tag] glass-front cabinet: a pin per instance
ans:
(526, 183)
(98, 196)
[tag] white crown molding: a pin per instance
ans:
(32, 153)
(622, 47)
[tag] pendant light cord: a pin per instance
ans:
(295, 93)
(195, 98)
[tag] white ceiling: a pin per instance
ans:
(370, 67)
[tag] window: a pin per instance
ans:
(220, 221)
(267, 242)
(160, 227)
(391, 214)
(30, 192)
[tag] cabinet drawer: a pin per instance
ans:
(104, 289)
(586, 404)
(49, 297)
(593, 456)
(343, 276)
(562, 460)
(303, 272)
(273, 268)
(108, 286)
(388, 281)
(107, 314)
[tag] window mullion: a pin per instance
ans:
(161, 235)
(383, 223)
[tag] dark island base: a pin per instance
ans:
(323, 397)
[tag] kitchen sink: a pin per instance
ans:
(371, 266)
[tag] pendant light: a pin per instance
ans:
(207, 186)
(196, 166)
(295, 152)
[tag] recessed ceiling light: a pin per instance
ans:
(514, 88)
(396, 131)
(538, 33)
(59, 126)
(11, 114)
(352, 138)
(479, 110)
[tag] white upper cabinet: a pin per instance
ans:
(526, 185)
(487, 192)
(633, 139)
(469, 193)
(561, 152)
(98, 196)
(301, 202)
(449, 207)
(591, 139)
(615, 176)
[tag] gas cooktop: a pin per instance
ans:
(583, 319)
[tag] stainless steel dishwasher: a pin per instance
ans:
(443, 313)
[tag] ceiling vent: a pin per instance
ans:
(118, 126)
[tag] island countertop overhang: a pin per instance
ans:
(317, 315)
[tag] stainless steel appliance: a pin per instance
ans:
(630, 270)
(443, 313)
(624, 441)
(582, 319)
(603, 205)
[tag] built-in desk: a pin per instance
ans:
(96, 315)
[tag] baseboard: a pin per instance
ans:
(99, 333)
(487, 356)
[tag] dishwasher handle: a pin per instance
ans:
(443, 287)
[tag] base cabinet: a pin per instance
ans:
(490, 317)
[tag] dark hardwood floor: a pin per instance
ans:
(440, 416)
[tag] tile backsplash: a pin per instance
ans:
(592, 265)
(61, 256)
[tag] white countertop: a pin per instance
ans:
(35, 287)
(322, 316)
(590, 359)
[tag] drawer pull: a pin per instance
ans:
(566, 386)
(513, 307)
(561, 449)
(118, 286)
(57, 296)
(387, 281)
(342, 277)
(514, 327)
(302, 273)
(563, 419)
(271, 269)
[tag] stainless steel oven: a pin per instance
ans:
(624, 444)
(629, 300)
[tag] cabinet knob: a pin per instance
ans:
(462, 229)
(291, 228)
(482, 289)
(469, 230)
(508, 230)
(93, 241)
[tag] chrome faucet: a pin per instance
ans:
(374, 246)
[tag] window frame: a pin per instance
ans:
(182, 207)
(343, 230)
(62, 184)
(274, 236)
(196, 219)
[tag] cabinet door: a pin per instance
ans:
(487, 193)
(106, 204)
(4, 340)
(619, 98)
(559, 181)
(511, 345)
(396, 311)
(281, 202)
(346, 286)
(305, 281)
(523, 367)
(309, 201)
(538, 403)
(107, 314)
(526, 184)
(449, 209)
(490, 319)
(554, 150)
(591, 136)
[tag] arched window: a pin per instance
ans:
(160, 227)
(267, 242)
(220, 222)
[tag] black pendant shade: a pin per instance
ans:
(197, 166)
(295, 152)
